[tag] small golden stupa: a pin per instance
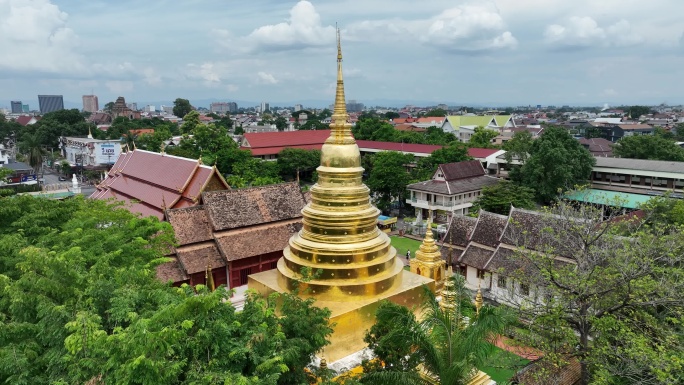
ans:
(352, 263)
(428, 261)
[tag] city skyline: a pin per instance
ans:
(489, 53)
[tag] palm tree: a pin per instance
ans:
(31, 145)
(446, 346)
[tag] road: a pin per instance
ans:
(51, 178)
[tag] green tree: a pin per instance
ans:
(426, 167)
(482, 138)
(292, 161)
(281, 123)
(254, 172)
(108, 107)
(388, 177)
(591, 132)
(654, 147)
(664, 211)
(613, 302)
(437, 112)
(181, 107)
(637, 111)
(80, 301)
(557, 163)
(190, 122)
(391, 115)
(31, 145)
(500, 197)
(313, 124)
(518, 151)
(448, 348)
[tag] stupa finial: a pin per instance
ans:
(339, 123)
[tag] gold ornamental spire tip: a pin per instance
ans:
(340, 109)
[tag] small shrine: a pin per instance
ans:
(428, 261)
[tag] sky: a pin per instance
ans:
(479, 52)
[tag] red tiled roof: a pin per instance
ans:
(391, 146)
(276, 150)
(481, 152)
(286, 138)
(150, 182)
(25, 119)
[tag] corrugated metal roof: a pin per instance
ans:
(641, 164)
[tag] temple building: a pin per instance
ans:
(354, 263)
(149, 182)
(120, 109)
(232, 234)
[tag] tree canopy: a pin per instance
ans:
(181, 107)
(557, 163)
(500, 197)
(448, 348)
(614, 302)
(388, 178)
(482, 138)
(80, 301)
(654, 147)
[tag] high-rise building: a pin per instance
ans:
(25, 108)
(354, 106)
(16, 106)
(298, 107)
(264, 107)
(150, 108)
(224, 107)
(132, 106)
(90, 103)
(49, 103)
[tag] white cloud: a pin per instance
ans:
(34, 37)
(585, 32)
(266, 78)
(303, 29)
(469, 27)
(205, 72)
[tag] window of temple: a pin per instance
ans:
(244, 273)
(524, 289)
(501, 282)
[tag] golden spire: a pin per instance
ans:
(341, 130)
(340, 239)
(209, 278)
(428, 261)
(448, 302)
(478, 298)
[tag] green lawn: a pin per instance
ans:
(402, 244)
(503, 365)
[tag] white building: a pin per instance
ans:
(463, 126)
(89, 152)
(451, 191)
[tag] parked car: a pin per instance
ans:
(62, 178)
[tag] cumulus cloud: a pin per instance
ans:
(35, 37)
(206, 72)
(303, 29)
(469, 27)
(585, 31)
(266, 78)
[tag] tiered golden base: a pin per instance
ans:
(351, 319)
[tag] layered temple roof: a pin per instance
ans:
(232, 225)
(490, 241)
(456, 178)
(150, 182)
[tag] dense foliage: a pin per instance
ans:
(448, 348)
(654, 147)
(80, 301)
(388, 177)
(616, 303)
(557, 163)
(373, 128)
(500, 197)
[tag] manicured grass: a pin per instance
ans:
(402, 244)
(504, 365)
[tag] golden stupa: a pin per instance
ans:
(428, 261)
(352, 264)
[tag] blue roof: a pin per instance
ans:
(383, 218)
(609, 198)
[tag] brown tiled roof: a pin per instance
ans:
(196, 258)
(191, 224)
(462, 170)
(171, 271)
(540, 232)
(635, 126)
(488, 229)
(598, 146)
(250, 206)
(506, 261)
(460, 229)
(454, 187)
(476, 256)
(257, 240)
